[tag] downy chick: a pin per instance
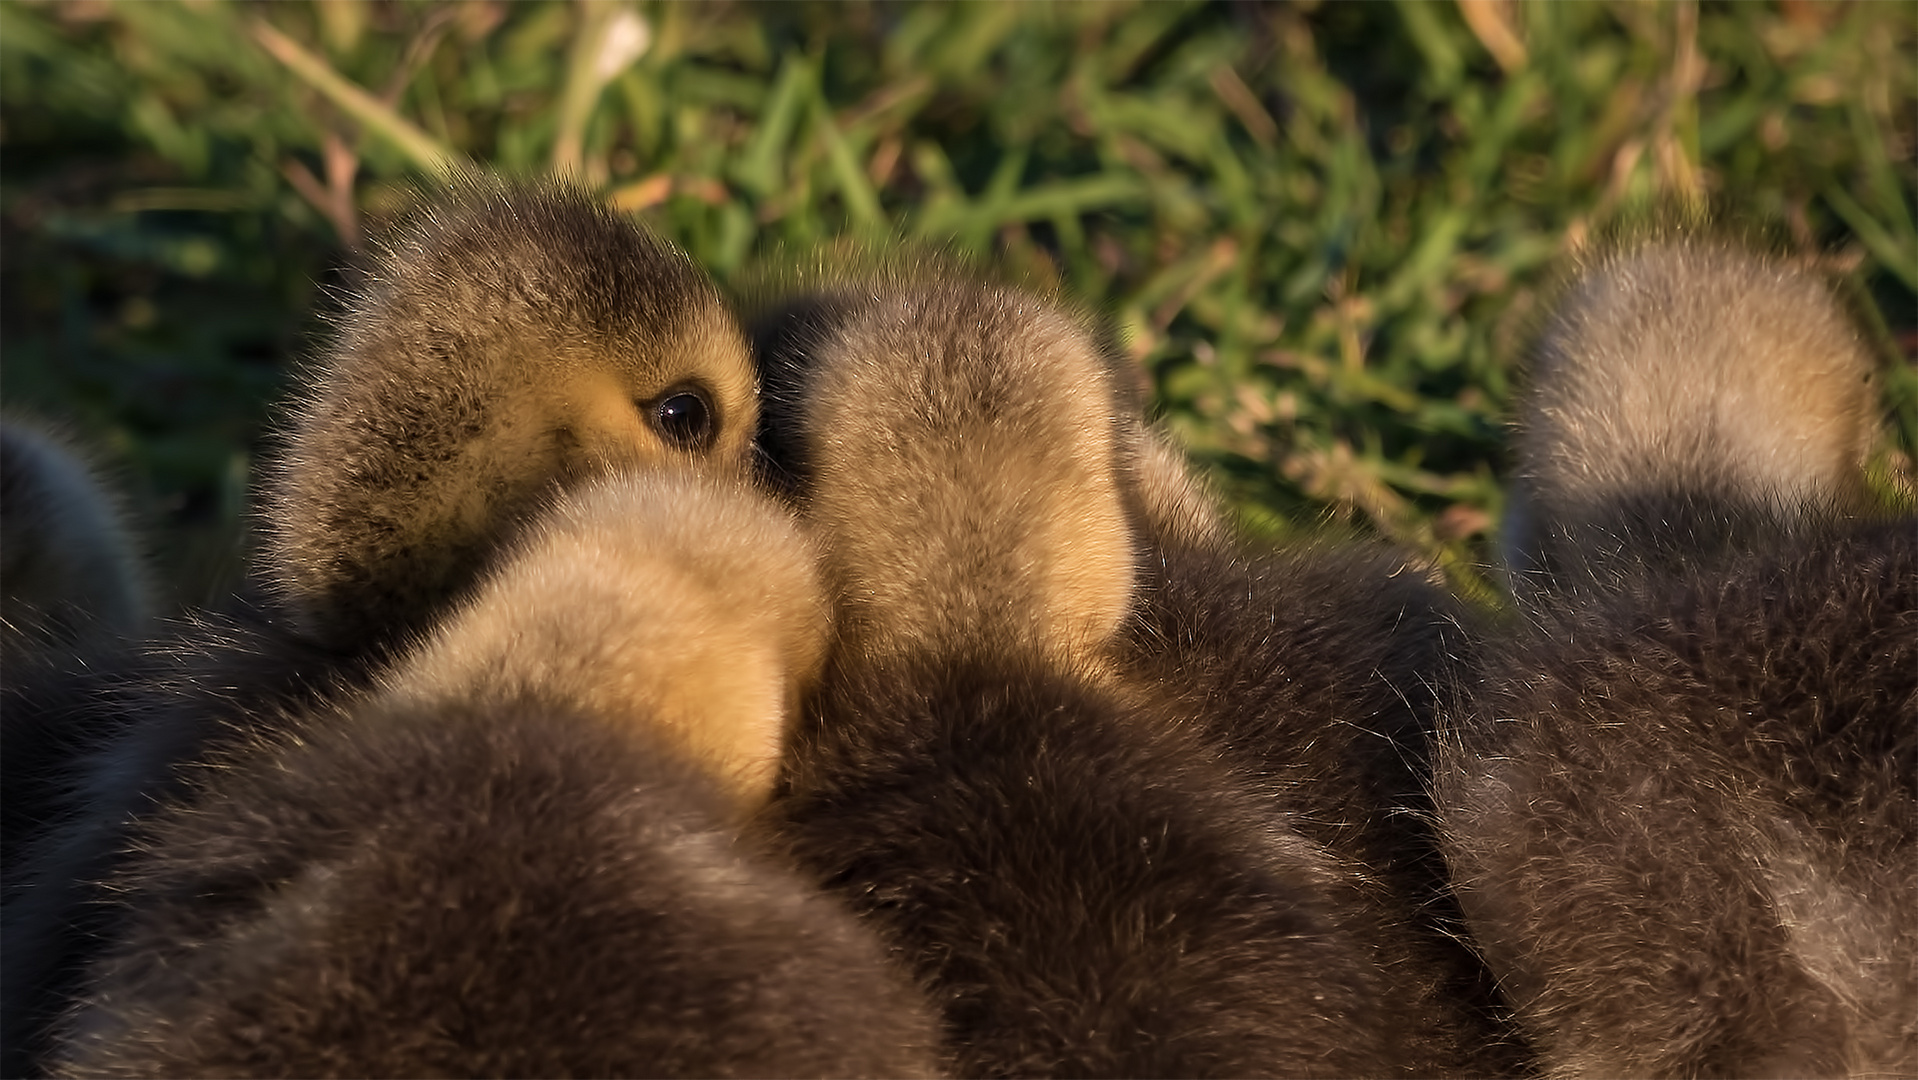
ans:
(1085, 887)
(519, 854)
(515, 339)
(1681, 795)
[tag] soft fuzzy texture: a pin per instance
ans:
(513, 338)
(126, 730)
(1087, 889)
(1318, 670)
(1679, 796)
(496, 889)
(957, 445)
(509, 857)
(1687, 395)
(1681, 817)
(514, 341)
(686, 602)
(1087, 884)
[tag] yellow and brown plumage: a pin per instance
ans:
(519, 853)
(509, 536)
(1064, 852)
(511, 339)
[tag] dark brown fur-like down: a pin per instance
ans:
(1682, 817)
(127, 729)
(1679, 797)
(73, 604)
(496, 889)
(1088, 886)
(1088, 890)
(1319, 669)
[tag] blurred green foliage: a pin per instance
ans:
(1323, 229)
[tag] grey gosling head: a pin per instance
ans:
(1689, 375)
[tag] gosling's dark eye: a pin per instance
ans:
(684, 419)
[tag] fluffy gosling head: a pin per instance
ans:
(1688, 368)
(671, 598)
(959, 446)
(513, 338)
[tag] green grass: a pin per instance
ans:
(1323, 229)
